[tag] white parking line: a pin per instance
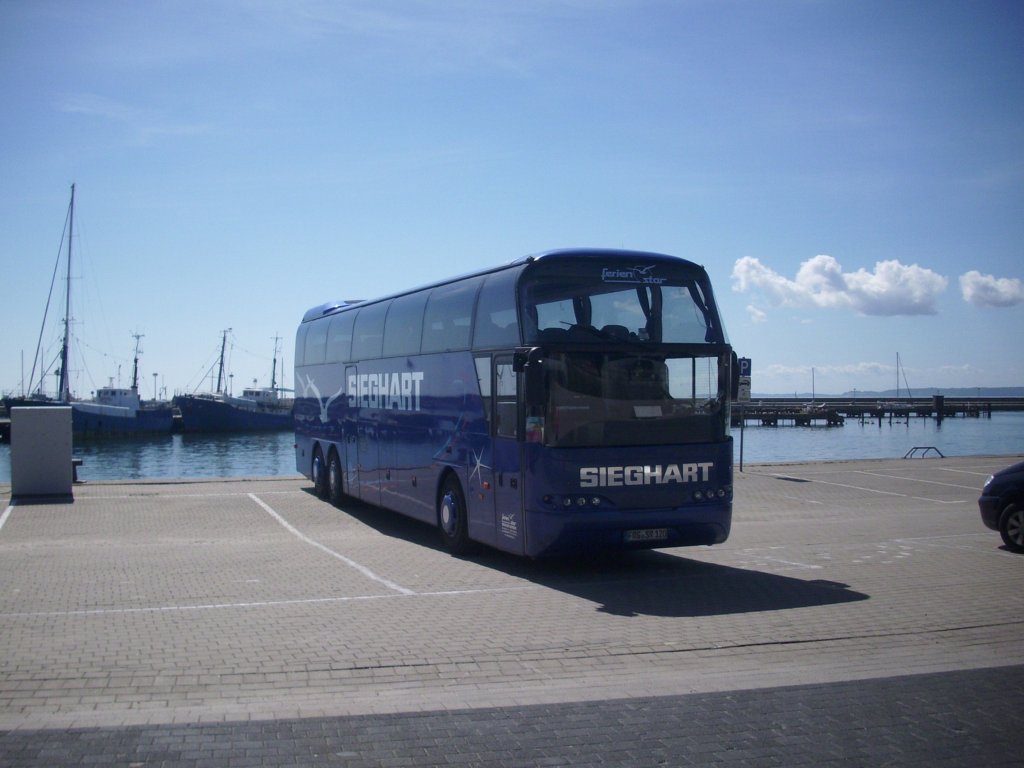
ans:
(884, 493)
(6, 514)
(260, 603)
(916, 480)
(793, 563)
(349, 562)
(975, 472)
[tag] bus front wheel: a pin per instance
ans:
(318, 472)
(451, 516)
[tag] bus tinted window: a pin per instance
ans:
(339, 337)
(497, 324)
(368, 336)
(449, 316)
(316, 342)
(591, 308)
(404, 325)
(506, 404)
(555, 316)
(300, 344)
(685, 322)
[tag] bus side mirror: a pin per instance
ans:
(529, 361)
(520, 358)
(734, 370)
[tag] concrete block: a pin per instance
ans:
(41, 451)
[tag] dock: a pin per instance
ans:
(834, 411)
(857, 613)
(771, 415)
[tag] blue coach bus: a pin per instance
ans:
(570, 400)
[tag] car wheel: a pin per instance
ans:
(1011, 527)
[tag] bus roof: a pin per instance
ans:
(331, 307)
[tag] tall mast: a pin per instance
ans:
(273, 369)
(64, 384)
(135, 363)
(220, 370)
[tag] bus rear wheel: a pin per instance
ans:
(318, 472)
(451, 518)
(335, 485)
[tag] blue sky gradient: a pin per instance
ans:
(850, 173)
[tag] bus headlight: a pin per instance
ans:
(567, 502)
(713, 494)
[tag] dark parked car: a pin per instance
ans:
(1002, 505)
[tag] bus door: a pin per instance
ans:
(505, 458)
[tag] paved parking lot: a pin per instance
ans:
(143, 608)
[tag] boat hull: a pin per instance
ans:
(203, 414)
(92, 420)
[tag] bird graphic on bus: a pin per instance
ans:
(309, 385)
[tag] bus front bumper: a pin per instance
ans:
(551, 532)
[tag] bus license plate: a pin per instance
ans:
(647, 534)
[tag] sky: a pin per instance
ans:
(851, 174)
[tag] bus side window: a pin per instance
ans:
(368, 336)
(506, 401)
(449, 316)
(496, 323)
(300, 344)
(404, 325)
(316, 342)
(339, 337)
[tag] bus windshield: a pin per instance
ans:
(620, 399)
(633, 355)
(589, 307)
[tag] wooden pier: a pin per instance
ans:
(833, 412)
(768, 414)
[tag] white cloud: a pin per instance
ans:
(756, 315)
(891, 289)
(98, 106)
(990, 291)
(146, 124)
(843, 370)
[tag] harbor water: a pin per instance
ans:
(1002, 434)
(272, 453)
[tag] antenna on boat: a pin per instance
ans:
(135, 363)
(273, 368)
(220, 370)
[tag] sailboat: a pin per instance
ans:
(258, 409)
(37, 396)
(112, 411)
